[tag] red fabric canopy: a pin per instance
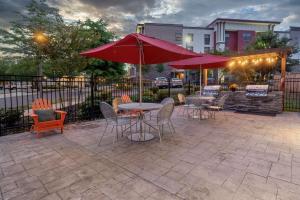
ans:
(205, 61)
(136, 46)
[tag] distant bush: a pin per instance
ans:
(10, 117)
(124, 86)
(91, 109)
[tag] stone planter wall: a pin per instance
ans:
(271, 104)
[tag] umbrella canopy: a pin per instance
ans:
(140, 49)
(205, 61)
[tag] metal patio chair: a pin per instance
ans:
(153, 114)
(112, 119)
(163, 118)
(186, 105)
(217, 107)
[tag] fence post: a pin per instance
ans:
(169, 87)
(189, 87)
(92, 93)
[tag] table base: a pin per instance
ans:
(136, 137)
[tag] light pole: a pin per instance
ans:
(41, 40)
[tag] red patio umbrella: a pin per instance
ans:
(205, 61)
(140, 49)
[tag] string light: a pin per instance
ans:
(232, 63)
(253, 60)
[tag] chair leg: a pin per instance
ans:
(32, 129)
(122, 130)
(62, 130)
(159, 133)
(172, 126)
(102, 134)
(116, 135)
(130, 131)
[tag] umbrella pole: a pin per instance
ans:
(200, 80)
(140, 74)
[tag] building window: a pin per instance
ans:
(206, 49)
(206, 39)
(191, 48)
(247, 37)
(227, 37)
(178, 37)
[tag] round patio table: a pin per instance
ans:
(141, 136)
(200, 102)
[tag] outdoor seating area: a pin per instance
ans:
(237, 156)
(149, 100)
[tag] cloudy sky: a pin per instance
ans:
(123, 15)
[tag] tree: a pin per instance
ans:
(160, 68)
(270, 39)
(265, 70)
(41, 35)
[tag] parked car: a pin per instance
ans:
(176, 82)
(161, 82)
(8, 85)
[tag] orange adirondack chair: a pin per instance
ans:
(40, 104)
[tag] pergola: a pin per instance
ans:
(265, 55)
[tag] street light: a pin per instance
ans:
(40, 38)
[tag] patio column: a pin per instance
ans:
(205, 76)
(283, 71)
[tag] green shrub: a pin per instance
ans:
(102, 96)
(10, 117)
(154, 90)
(90, 110)
(124, 86)
(87, 111)
(145, 98)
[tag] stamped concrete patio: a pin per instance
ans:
(237, 156)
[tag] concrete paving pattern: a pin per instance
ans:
(236, 157)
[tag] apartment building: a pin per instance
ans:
(221, 34)
(294, 35)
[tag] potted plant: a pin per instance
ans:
(233, 87)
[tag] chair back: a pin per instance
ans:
(167, 100)
(165, 113)
(222, 100)
(108, 111)
(181, 98)
(126, 99)
(41, 104)
(115, 103)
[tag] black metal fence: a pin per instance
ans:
(80, 96)
(292, 94)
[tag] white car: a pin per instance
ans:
(161, 82)
(176, 82)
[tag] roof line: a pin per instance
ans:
(197, 27)
(244, 20)
(161, 24)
